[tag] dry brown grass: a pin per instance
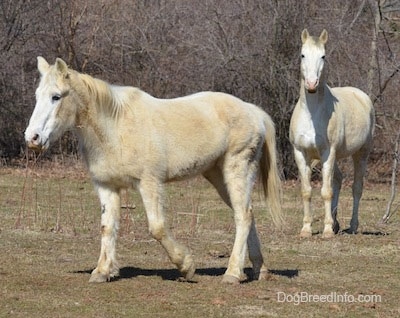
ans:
(49, 242)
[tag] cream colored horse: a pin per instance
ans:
(131, 138)
(328, 124)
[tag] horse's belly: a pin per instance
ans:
(114, 177)
(185, 164)
(188, 171)
(348, 149)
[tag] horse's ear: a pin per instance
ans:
(304, 35)
(61, 66)
(43, 66)
(324, 36)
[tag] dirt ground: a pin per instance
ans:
(50, 242)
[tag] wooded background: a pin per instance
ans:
(172, 48)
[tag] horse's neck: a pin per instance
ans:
(97, 90)
(94, 119)
(313, 101)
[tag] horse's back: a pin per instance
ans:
(189, 134)
(220, 113)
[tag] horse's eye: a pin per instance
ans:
(323, 57)
(55, 98)
(302, 56)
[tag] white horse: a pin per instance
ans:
(128, 137)
(328, 124)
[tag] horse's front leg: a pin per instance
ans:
(304, 167)
(151, 192)
(107, 266)
(328, 165)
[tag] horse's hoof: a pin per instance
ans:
(98, 278)
(189, 272)
(336, 227)
(351, 231)
(305, 234)
(187, 268)
(229, 279)
(328, 234)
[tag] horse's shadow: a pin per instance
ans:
(173, 274)
(348, 232)
(375, 233)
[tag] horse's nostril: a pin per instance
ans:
(35, 137)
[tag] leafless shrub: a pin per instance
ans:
(172, 48)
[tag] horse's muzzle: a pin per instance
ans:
(311, 85)
(36, 143)
(312, 90)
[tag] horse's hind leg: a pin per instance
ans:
(260, 271)
(360, 166)
(239, 176)
(215, 177)
(337, 185)
(151, 192)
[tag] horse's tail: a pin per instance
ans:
(269, 172)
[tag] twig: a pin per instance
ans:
(128, 206)
(387, 215)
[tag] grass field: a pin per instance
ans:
(50, 241)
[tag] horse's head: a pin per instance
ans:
(312, 59)
(55, 109)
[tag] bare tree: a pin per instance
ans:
(387, 22)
